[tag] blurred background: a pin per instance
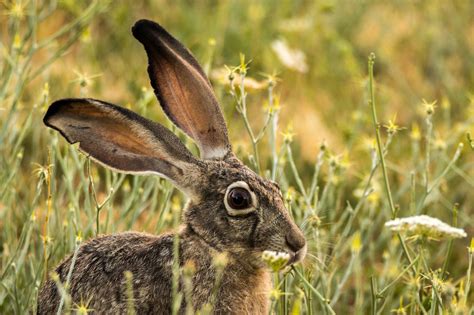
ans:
(314, 55)
(317, 49)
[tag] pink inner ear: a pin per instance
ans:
(118, 138)
(183, 90)
(87, 123)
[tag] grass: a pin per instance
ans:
(387, 152)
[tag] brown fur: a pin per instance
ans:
(127, 142)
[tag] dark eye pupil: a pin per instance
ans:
(239, 198)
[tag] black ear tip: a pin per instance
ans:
(52, 110)
(55, 107)
(143, 27)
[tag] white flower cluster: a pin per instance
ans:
(275, 260)
(291, 58)
(423, 225)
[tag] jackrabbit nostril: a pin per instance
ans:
(295, 241)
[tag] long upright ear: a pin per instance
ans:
(183, 89)
(121, 139)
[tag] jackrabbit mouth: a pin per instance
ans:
(298, 256)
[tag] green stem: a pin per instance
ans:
(373, 291)
(450, 244)
(381, 292)
(380, 151)
(316, 293)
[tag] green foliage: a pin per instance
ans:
(388, 153)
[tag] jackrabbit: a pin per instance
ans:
(231, 209)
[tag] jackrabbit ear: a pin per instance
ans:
(121, 139)
(183, 89)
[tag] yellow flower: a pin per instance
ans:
(356, 243)
(17, 10)
(275, 294)
(429, 107)
(415, 133)
(84, 79)
(79, 237)
(175, 204)
(288, 134)
(392, 127)
(445, 103)
(440, 144)
(273, 108)
(220, 259)
(83, 307)
(226, 76)
(400, 309)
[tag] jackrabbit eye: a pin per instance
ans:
(239, 199)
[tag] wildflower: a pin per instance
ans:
(429, 107)
(17, 42)
(46, 239)
(229, 77)
(323, 146)
(293, 59)
(315, 221)
(211, 42)
(415, 133)
(272, 79)
(424, 225)
(298, 24)
(17, 10)
(275, 294)
(220, 260)
(54, 276)
(274, 107)
(298, 301)
(345, 161)
(401, 309)
(368, 143)
(356, 243)
(290, 193)
(392, 127)
(189, 268)
(175, 204)
(288, 134)
(45, 92)
(42, 171)
(79, 237)
(340, 161)
(84, 79)
(374, 194)
(440, 144)
(445, 103)
(86, 35)
(357, 116)
(275, 260)
(82, 309)
(244, 66)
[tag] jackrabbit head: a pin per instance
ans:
(230, 207)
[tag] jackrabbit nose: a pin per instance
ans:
(295, 241)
